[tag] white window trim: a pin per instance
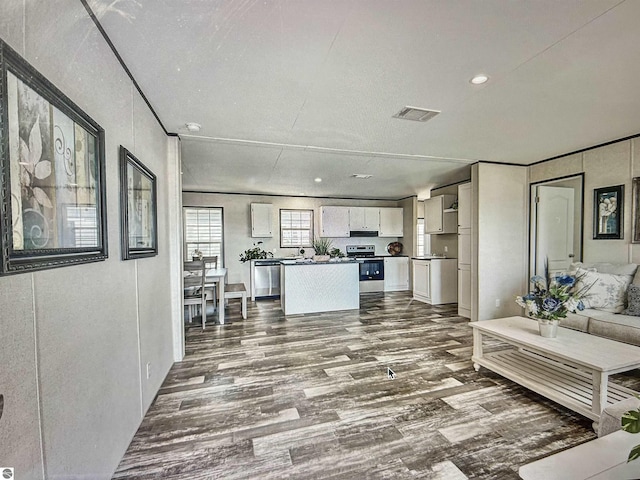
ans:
(283, 229)
(188, 251)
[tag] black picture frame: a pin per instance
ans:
(608, 213)
(138, 208)
(52, 174)
(635, 209)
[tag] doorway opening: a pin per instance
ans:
(556, 232)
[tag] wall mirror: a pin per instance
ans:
(557, 218)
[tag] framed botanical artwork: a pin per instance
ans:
(608, 213)
(138, 208)
(51, 174)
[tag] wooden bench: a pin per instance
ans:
(237, 290)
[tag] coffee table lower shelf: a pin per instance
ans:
(562, 383)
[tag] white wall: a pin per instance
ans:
(500, 250)
(410, 218)
(237, 225)
(606, 166)
(76, 340)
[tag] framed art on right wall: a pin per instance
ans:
(608, 213)
(635, 209)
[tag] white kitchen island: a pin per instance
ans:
(319, 287)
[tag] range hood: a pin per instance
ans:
(363, 233)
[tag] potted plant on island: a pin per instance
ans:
(322, 249)
(551, 299)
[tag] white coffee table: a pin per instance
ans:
(572, 369)
(599, 459)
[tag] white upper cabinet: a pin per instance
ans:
(261, 220)
(364, 218)
(391, 222)
(438, 215)
(334, 222)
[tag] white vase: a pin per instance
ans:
(321, 258)
(548, 328)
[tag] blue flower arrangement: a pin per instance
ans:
(553, 297)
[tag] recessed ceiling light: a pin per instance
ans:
(362, 176)
(479, 79)
(317, 179)
(193, 127)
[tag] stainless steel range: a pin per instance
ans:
(371, 267)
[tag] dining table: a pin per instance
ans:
(217, 277)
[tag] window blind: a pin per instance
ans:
(296, 228)
(203, 231)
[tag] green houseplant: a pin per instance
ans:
(631, 424)
(322, 248)
(255, 253)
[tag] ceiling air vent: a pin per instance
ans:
(416, 114)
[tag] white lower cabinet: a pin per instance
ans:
(435, 281)
(396, 274)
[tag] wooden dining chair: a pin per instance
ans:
(194, 290)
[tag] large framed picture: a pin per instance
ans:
(608, 213)
(138, 208)
(51, 174)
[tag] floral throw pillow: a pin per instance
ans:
(605, 292)
(633, 301)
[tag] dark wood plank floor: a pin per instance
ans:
(308, 397)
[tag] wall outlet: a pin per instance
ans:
(497, 302)
(148, 370)
(446, 249)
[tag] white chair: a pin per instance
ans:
(194, 293)
(237, 290)
(210, 263)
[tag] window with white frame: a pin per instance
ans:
(296, 228)
(420, 237)
(203, 232)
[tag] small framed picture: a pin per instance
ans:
(138, 208)
(608, 213)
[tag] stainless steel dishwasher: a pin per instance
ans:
(265, 278)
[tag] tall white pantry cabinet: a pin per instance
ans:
(464, 250)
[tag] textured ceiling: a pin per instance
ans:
(287, 91)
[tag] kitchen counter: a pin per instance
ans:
(311, 262)
(431, 257)
(319, 287)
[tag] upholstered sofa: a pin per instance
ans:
(603, 319)
(605, 322)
